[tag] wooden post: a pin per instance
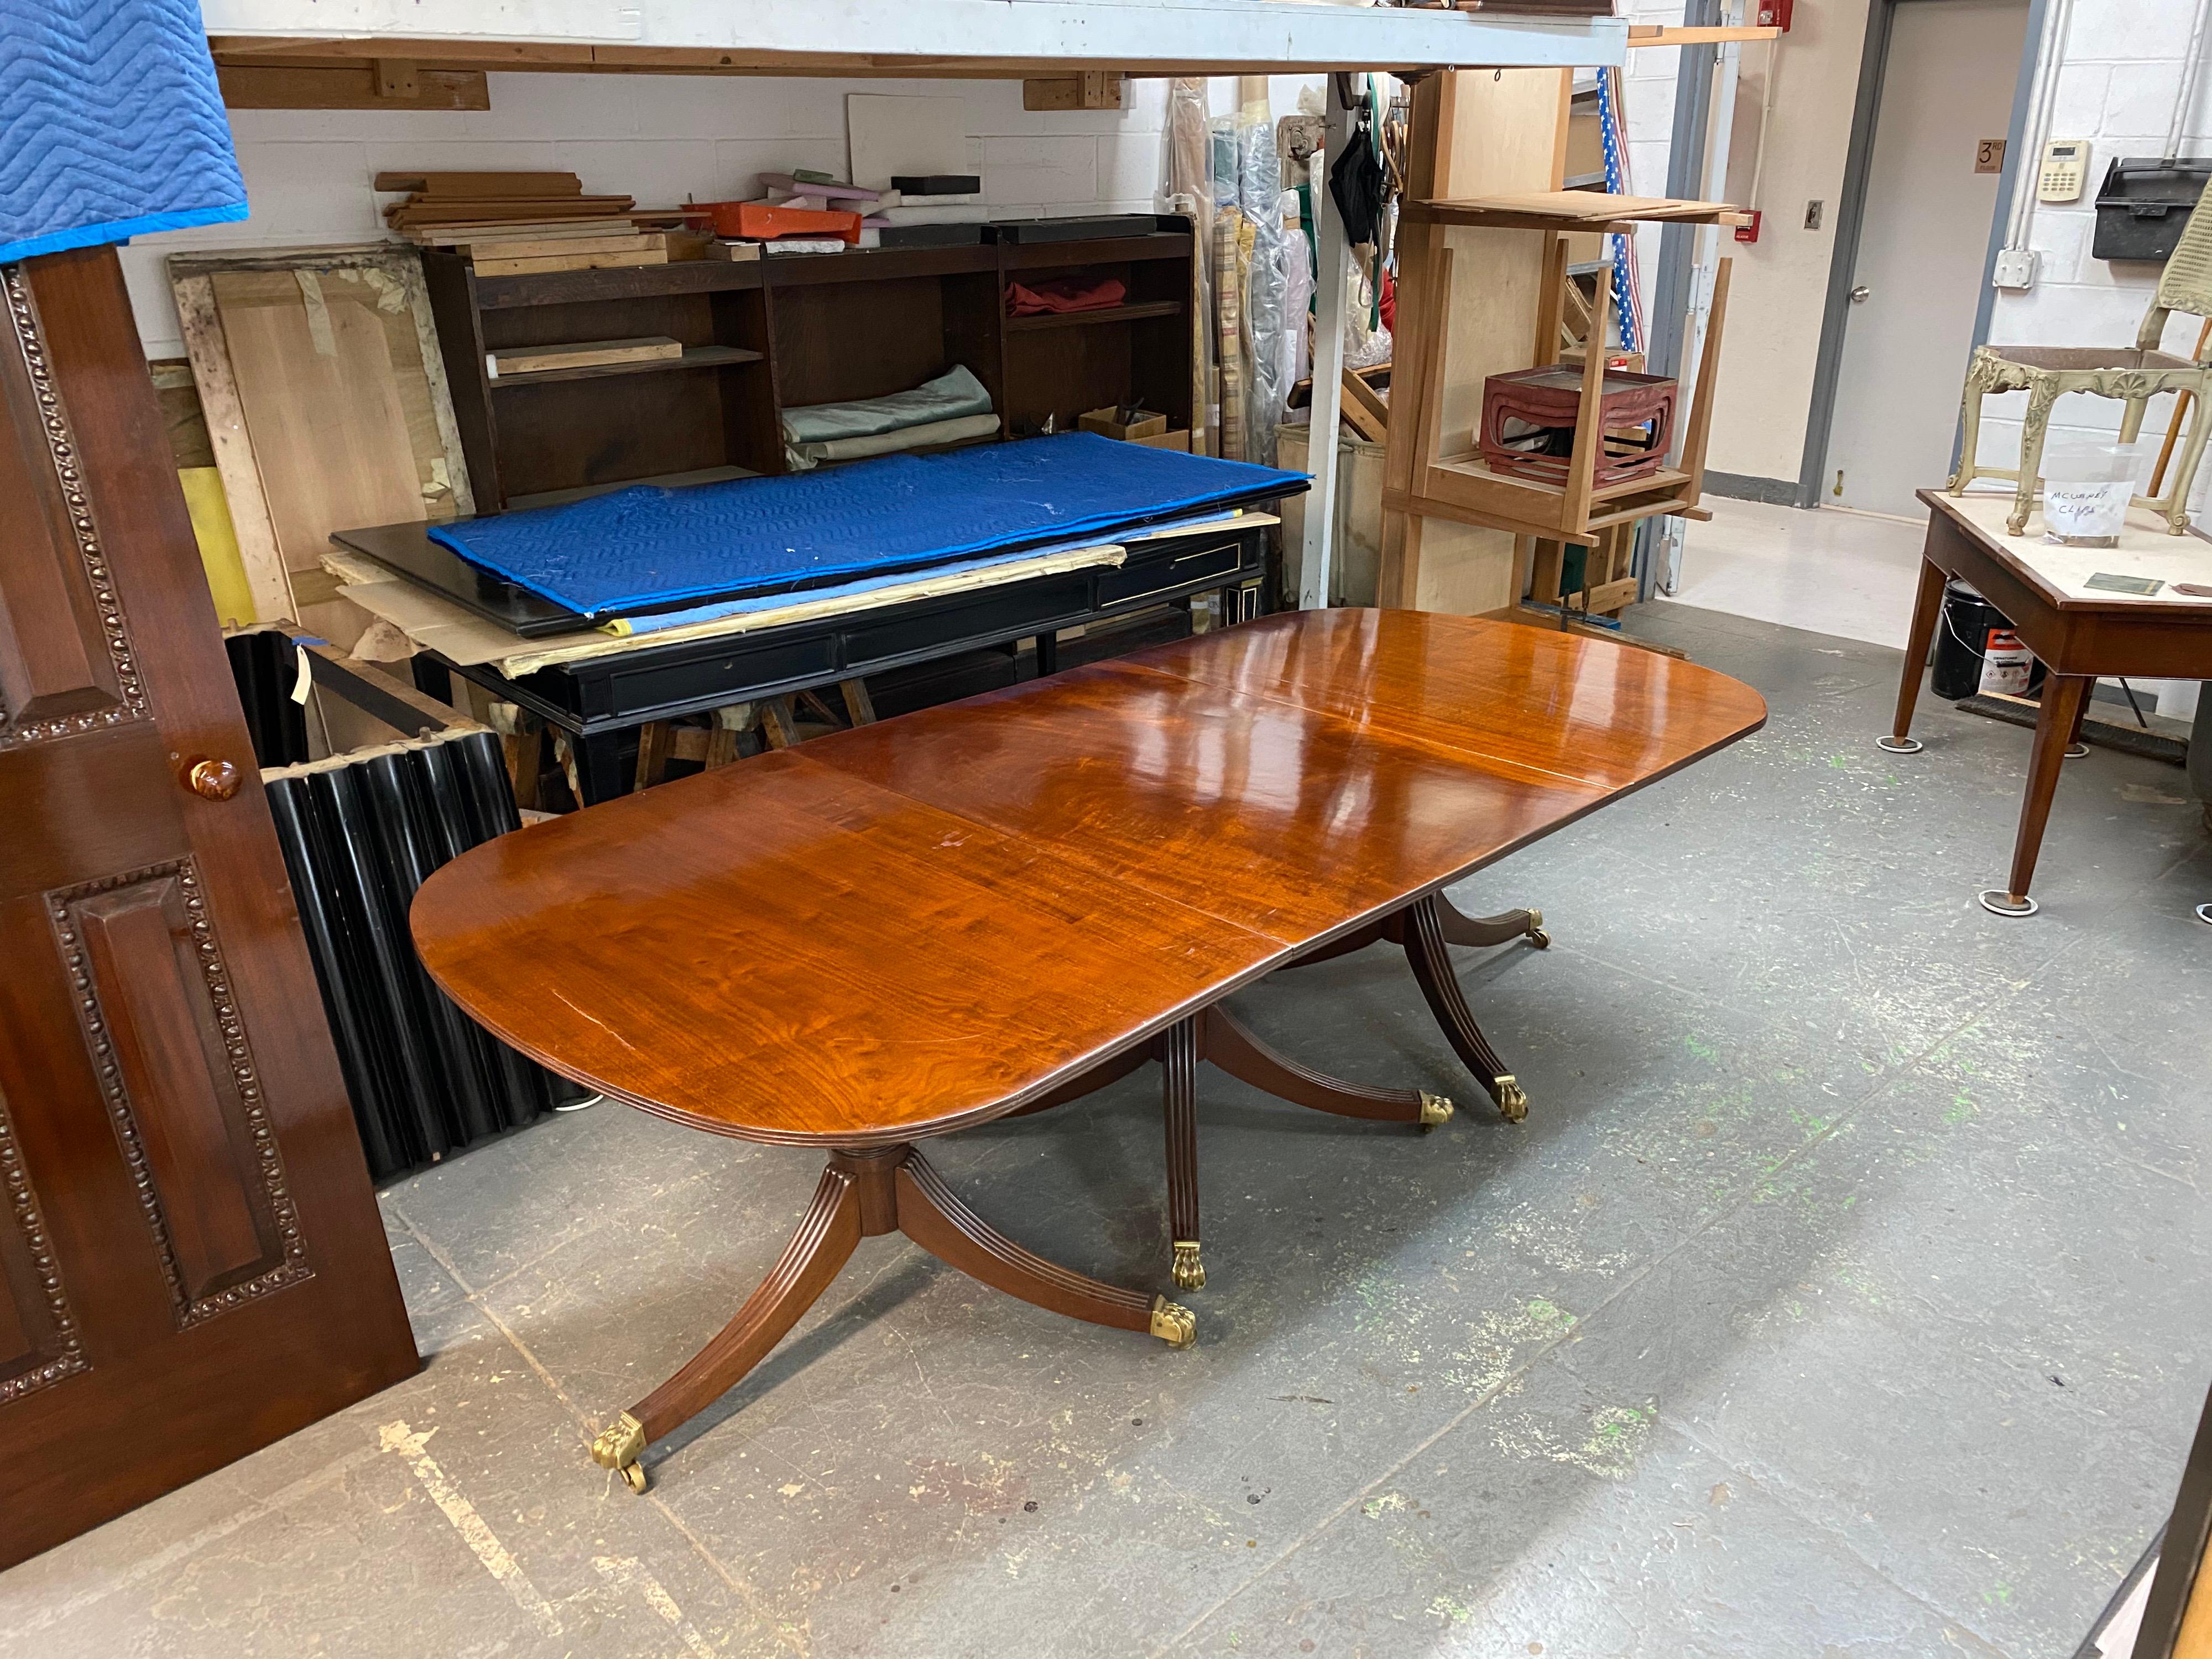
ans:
(1709, 374)
(1589, 423)
(1414, 357)
(1317, 553)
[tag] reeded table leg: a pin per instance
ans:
(862, 1195)
(1178, 1052)
(1483, 932)
(1426, 951)
(818, 1251)
(1225, 1040)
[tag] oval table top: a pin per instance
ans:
(929, 921)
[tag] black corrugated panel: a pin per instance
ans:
(264, 662)
(359, 839)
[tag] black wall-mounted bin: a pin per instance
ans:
(2144, 204)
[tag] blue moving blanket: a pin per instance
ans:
(111, 124)
(647, 548)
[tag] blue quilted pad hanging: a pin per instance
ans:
(646, 547)
(111, 124)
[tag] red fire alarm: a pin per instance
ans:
(1772, 15)
(1749, 233)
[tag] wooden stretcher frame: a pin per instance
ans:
(279, 593)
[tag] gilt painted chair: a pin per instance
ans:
(2047, 374)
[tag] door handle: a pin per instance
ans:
(213, 780)
(1861, 295)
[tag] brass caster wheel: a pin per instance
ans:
(1190, 1272)
(619, 1447)
(1512, 1101)
(1173, 1323)
(1435, 1109)
(1537, 936)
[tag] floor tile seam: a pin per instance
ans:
(177, 1553)
(1574, 1332)
(2190, 853)
(785, 1638)
(538, 1368)
(1496, 1390)
(506, 1275)
(1783, 1493)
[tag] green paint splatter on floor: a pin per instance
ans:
(1489, 1359)
(1617, 1436)
(1444, 1607)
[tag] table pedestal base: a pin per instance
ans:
(862, 1195)
(1219, 1037)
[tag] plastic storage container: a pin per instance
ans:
(2086, 488)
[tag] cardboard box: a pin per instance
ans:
(1106, 422)
(1178, 440)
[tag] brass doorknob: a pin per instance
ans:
(213, 780)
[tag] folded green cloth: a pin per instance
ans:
(798, 457)
(954, 393)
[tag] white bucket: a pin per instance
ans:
(2006, 664)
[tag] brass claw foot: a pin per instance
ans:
(620, 1446)
(1190, 1272)
(1512, 1101)
(1435, 1109)
(1537, 936)
(1173, 1323)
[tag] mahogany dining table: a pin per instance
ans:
(994, 905)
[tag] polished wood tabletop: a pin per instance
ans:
(935, 920)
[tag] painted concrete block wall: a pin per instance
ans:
(2123, 71)
(660, 137)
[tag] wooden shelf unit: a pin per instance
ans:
(705, 356)
(1081, 318)
(786, 331)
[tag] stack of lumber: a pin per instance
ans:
(515, 223)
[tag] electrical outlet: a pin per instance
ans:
(1813, 211)
(2017, 268)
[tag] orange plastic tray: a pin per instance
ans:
(763, 221)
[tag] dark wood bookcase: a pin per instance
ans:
(787, 330)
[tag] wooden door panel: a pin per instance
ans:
(39, 1339)
(191, 1260)
(152, 998)
(66, 665)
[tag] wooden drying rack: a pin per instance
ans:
(1431, 470)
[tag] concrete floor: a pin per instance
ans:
(1847, 573)
(1843, 1296)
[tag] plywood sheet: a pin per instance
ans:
(314, 367)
